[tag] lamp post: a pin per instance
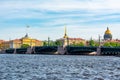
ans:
(99, 47)
(99, 41)
(48, 41)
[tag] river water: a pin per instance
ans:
(58, 67)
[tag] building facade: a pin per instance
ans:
(17, 43)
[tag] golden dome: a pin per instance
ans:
(107, 31)
(107, 35)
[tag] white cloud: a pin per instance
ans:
(75, 13)
(61, 5)
(18, 9)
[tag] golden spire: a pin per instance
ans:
(65, 30)
(65, 33)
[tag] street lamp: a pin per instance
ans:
(99, 41)
(48, 40)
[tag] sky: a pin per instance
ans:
(47, 18)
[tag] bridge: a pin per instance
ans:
(69, 50)
(72, 50)
(110, 51)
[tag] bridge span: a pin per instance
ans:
(69, 50)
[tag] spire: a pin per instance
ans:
(65, 33)
(107, 31)
(91, 38)
(26, 36)
(107, 28)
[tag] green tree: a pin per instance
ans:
(81, 44)
(117, 44)
(51, 43)
(96, 44)
(45, 43)
(58, 43)
(111, 44)
(91, 43)
(25, 46)
(78, 44)
(107, 44)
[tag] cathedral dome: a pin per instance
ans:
(107, 35)
(107, 31)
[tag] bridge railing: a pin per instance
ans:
(80, 50)
(110, 50)
(45, 49)
(9, 50)
(21, 50)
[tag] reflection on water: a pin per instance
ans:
(58, 67)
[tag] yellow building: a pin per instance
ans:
(30, 41)
(15, 43)
(18, 42)
(1, 46)
(4, 44)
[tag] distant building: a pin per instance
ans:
(1, 41)
(18, 42)
(15, 43)
(108, 37)
(69, 41)
(108, 34)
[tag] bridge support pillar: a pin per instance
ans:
(15, 51)
(61, 50)
(2, 51)
(98, 50)
(29, 50)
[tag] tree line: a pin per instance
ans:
(91, 43)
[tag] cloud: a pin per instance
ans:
(38, 9)
(48, 17)
(60, 5)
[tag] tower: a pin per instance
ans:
(65, 38)
(65, 33)
(107, 35)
